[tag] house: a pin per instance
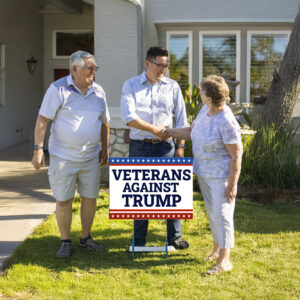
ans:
(244, 39)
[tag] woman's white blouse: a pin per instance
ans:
(209, 136)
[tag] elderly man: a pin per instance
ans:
(148, 102)
(80, 119)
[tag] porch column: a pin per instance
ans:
(118, 52)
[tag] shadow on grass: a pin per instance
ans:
(40, 251)
(250, 217)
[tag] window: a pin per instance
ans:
(219, 54)
(2, 74)
(67, 42)
(265, 51)
(179, 45)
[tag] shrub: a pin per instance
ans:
(270, 159)
(246, 140)
(193, 103)
(188, 152)
(196, 187)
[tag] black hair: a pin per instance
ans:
(153, 52)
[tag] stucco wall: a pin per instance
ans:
(116, 49)
(84, 21)
(21, 30)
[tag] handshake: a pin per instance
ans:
(163, 132)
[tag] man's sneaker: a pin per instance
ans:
(91, 245)
(64, 250)
(180, 244)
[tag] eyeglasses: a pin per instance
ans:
(91, 69)
(162, 66)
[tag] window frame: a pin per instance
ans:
(249, 36)
(2, 70)
(54, 54)
(189, 33)
(237, 34)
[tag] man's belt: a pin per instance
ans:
(153, 141)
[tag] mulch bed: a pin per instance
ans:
(268, 195)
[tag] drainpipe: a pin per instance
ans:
(140, 33)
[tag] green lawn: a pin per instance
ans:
(266, 260)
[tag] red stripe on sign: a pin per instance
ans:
(148, 165)
(147, 216)
(149, 210)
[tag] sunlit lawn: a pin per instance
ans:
(266, 260)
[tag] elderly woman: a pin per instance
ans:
(217, 151)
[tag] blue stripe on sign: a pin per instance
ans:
(151, 160)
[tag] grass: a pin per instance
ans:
(266, 260)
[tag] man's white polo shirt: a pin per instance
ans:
(77, 119)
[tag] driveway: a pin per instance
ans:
(25, 197)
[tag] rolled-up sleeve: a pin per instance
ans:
(179, 108)
(51, 103)
(128, 113)
(105, 117)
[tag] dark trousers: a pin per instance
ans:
(139, 148)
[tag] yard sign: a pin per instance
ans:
(150, 188)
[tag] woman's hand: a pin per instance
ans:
(163, 133)
(178, 133)
(236, 152)
(230, 193)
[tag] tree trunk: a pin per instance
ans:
(285, 86)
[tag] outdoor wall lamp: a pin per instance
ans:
(31, 64)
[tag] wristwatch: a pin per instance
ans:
(37, 147)
(181, 146)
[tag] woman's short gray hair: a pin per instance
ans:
(216, 88)
(77, 58)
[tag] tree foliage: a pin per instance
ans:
(179, 69)
(264, 58)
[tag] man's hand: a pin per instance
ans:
(37, 159)
(103, 158)
(39, 135)
(179, 152)
(162, 133)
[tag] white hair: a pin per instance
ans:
(77, 58)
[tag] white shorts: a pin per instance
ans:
(65, 175)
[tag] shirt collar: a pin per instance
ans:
(144, 79)
(70, 80)
(71, 83)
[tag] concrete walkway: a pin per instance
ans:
(25, 197)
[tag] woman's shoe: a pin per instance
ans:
(211, 256)
(218, 269)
